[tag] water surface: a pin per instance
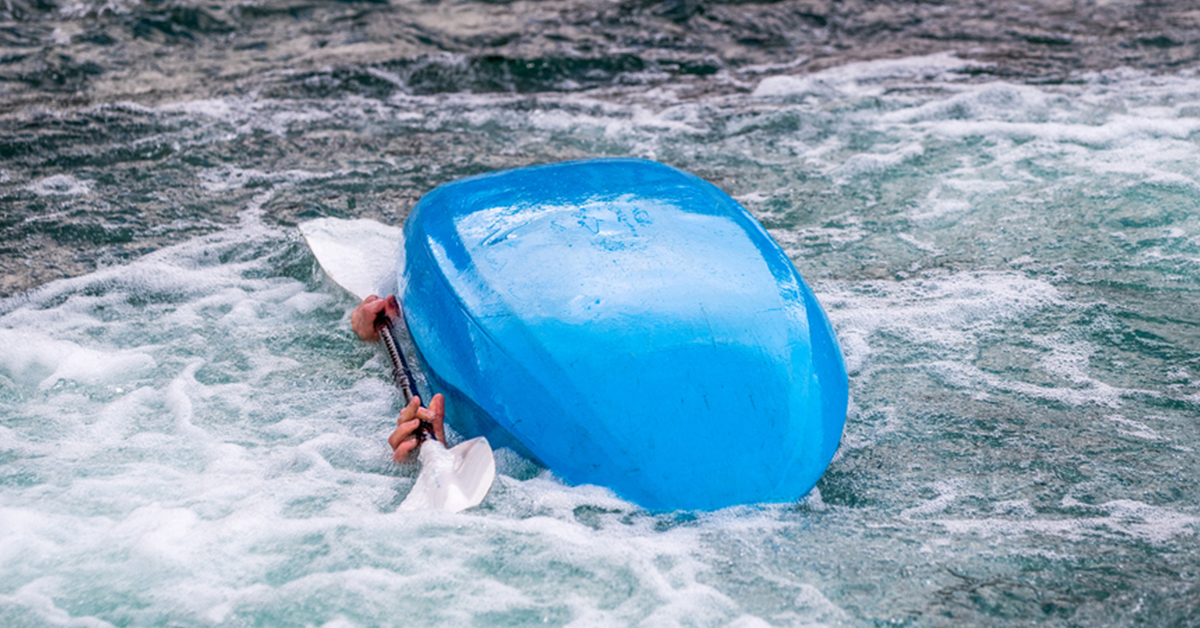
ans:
(190, 434)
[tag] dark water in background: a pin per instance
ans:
(70, 71)
(1005, 237)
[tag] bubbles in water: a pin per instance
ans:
(196, 437)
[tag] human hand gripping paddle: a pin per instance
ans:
(452, 479)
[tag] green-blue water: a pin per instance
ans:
(190, 435)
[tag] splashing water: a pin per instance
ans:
(191, 436)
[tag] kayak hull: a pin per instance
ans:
(631, 326)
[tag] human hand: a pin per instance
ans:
(362, 319)
(404, 439)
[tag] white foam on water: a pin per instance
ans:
(75, 10)
(60, 185)
(949, 491)
(1114, 124)
(187, 459)
(231, 177)
(865, 429)
(861, 164)
(943, 318)
(220, 108)
(919, 245)
(194, 438)
(1135, 429)
(945, 311)
(1119, 518)
(864, 78)
(30, 356)
(987, 101)
(800, 239)
(772, 67)
(1088, 390)
(1118, 130)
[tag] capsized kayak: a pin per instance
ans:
(631, 326)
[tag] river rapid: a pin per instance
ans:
(995, 205)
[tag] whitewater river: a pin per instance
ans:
(190, 435)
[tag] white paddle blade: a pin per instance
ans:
(352, 252)
(452, 479)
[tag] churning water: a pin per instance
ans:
(190, 435)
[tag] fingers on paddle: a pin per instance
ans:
(404, 449)
(437, 408)
(362, 320)
(406, 429)
(373, 305)
(410, 411)
(404, 437)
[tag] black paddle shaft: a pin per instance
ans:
(401, 375)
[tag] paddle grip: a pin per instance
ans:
(401, 374)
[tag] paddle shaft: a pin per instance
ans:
(401, 374)
(450, 479)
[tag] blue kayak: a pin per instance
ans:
(630, 326)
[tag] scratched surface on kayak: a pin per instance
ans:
(559, 287)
